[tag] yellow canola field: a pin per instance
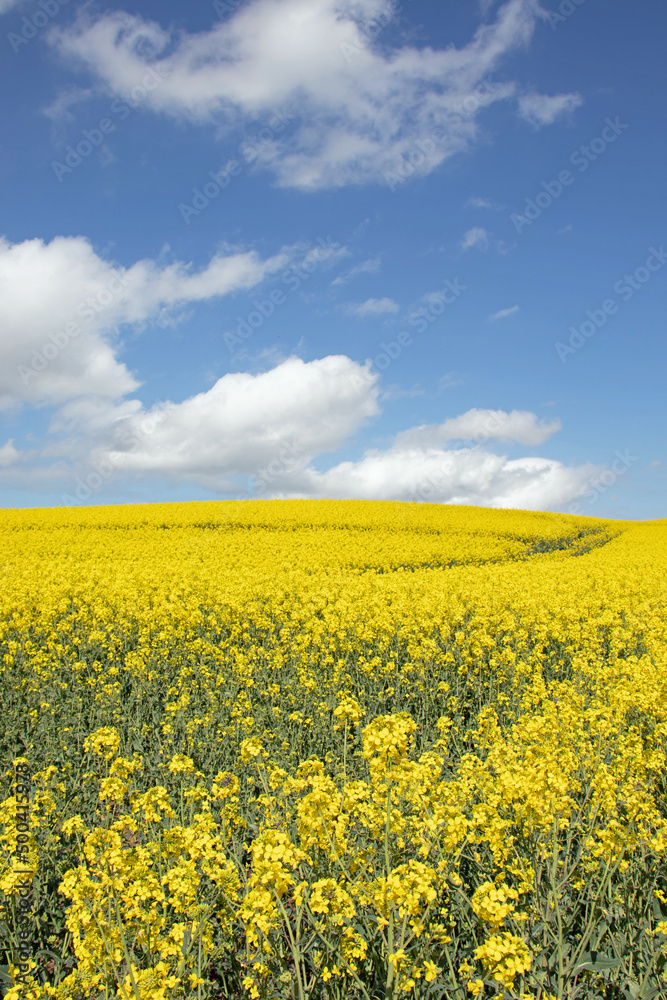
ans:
(332, 749)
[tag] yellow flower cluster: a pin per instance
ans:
(327, 749)
(492, 903)
(504, 956)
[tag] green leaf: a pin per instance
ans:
(634, 992)
(596, 961)
(5, 980)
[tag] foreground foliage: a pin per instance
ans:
(317, 749)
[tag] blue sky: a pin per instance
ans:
(334, 248)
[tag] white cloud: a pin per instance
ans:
(7, 5)
(502, 313)
(61, 306)
(244, 422)
(538, 109)
(475, 237)
(269, 428)
(449, 380)
(370, 266)
(462, 476)
(372, 307)
(520, 426)
(400, 392)
(8, 454)
(416, 467)
(326, 254)
(360, 112)
(482, 203)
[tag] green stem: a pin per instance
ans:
(124, 943)
(199, 944)
(110, 953)
(294, 947)
(345, 756)
(556, 906)
(390, 930)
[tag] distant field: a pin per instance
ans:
(332, 749)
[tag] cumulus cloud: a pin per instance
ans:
(538, 109)
(462, 476)
(415, 467)
(244, 422)
(359, 111)
(266, 435)
(61, 307)
(502, 313)
(519, 426)
(475, 237)
(372, 307)
(8, 454)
